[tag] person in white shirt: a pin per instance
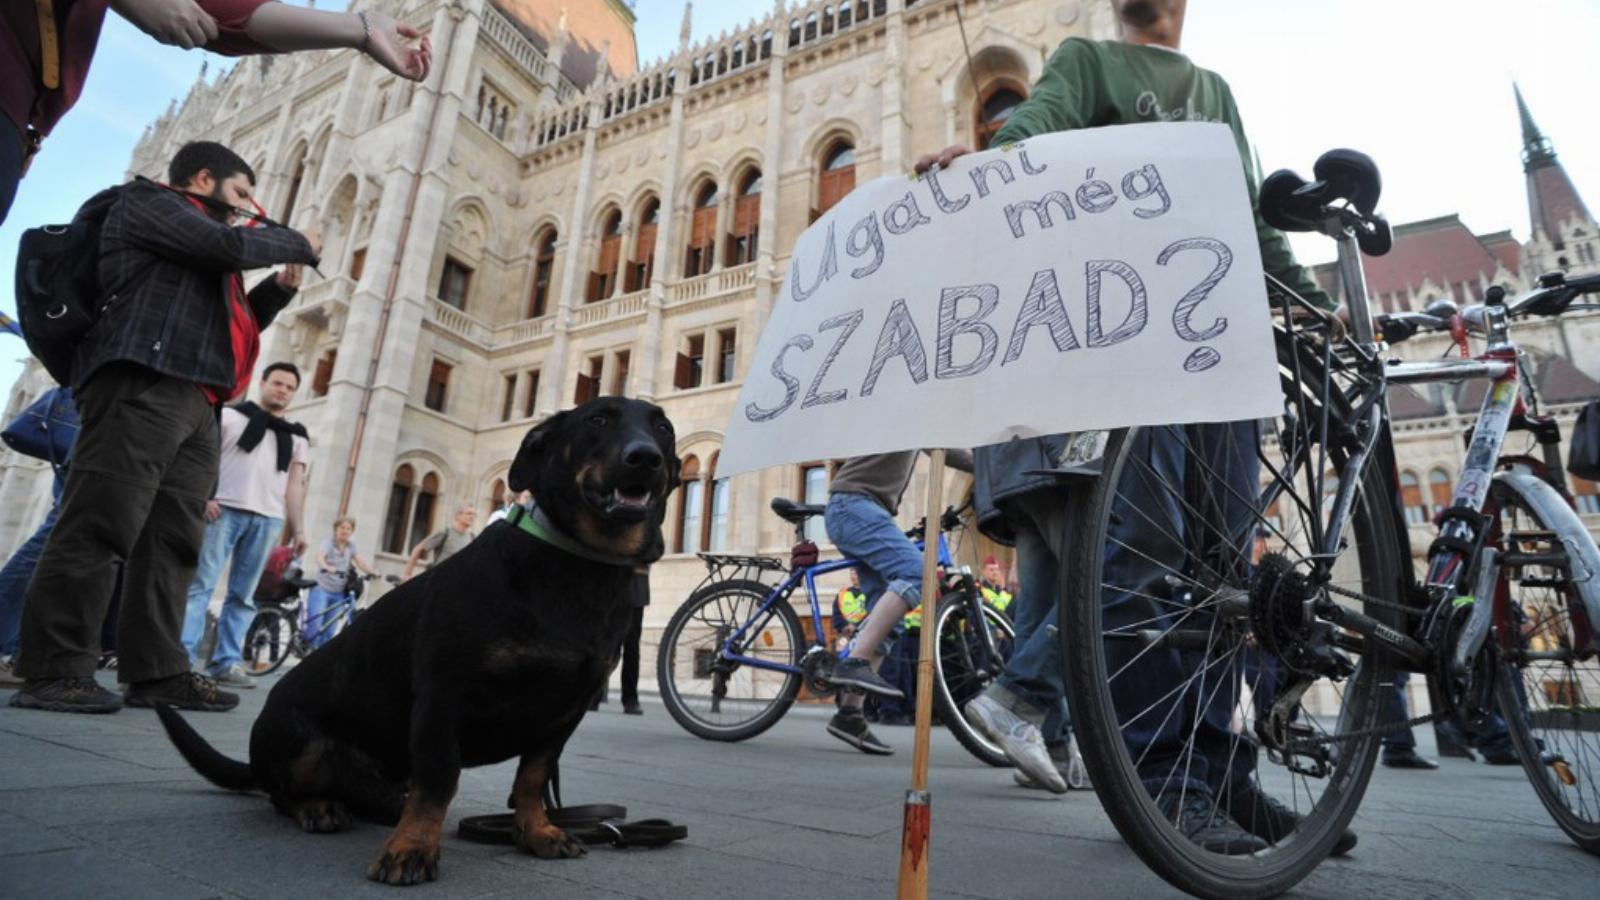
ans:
(261, 486)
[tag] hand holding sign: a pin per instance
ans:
(1094, 279)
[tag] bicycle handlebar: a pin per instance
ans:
(1554, 296)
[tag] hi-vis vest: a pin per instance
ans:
(913, 618)
(997, 597)
(852, 605)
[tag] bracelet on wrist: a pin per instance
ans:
(366, 31)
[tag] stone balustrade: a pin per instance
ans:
(718, 283)
(458, 323)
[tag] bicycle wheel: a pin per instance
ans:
(1551, 685)
(1190, 557)
(269, 641)
(716, 698)
(958, 672)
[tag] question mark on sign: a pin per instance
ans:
(1204, 357)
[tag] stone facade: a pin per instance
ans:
(453, 209)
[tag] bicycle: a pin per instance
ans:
(281, 630)
(734, 656)
(1331, 607)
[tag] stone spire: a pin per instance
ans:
(687, 28)
(1553, 200)
(558, 45)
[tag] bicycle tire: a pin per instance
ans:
(271, 638)
(1123, 793)
(763, 713)
(952, 618)
(1575, 807)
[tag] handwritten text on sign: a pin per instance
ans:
(1091, 279)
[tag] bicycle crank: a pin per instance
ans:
(816, 667)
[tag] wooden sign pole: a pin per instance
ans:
(918, 811)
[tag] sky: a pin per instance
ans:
(1423, 86)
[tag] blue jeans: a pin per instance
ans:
(1035, 674)
(319, 627)
(247, 538)
(864, 531)
(1173, 507)
(18, 570)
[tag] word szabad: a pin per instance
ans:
(964, 310)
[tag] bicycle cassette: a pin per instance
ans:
(816, 667)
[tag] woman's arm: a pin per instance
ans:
(287, 28)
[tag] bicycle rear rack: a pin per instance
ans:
(730, 567)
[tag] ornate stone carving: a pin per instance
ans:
(714, 132)
(1067, 13)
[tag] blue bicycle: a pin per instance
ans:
(283, 629)
(734, 657)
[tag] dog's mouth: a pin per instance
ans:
(625, 502)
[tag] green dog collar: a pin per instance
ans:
(535, 522)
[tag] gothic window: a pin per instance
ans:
(702, 231)
(642, 263)
(1411, 495)
(401, 492)
(999, 102)
(1439, 489)
(838, 175)
(603, 280)
(455, 282)
(742, 236)
(691, 511)
(544, 267)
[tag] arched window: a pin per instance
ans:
(1439, 489)
(497, 494)
(1411, 496)
(702, 231)
(603, 280)
(544, 268)
(742, 236)
(642, 263)
(814, 490)
(422, 513)
(999, 101)
(720, 511)
(294, 187)
(394, 520)
(838, 176)
(691, 507)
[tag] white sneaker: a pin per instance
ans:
(234, 677)
(1019, 738)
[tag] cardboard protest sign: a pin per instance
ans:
(1090, 279)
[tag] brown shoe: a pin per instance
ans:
(74, 695)
(188, 690)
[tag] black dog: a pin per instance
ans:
(491, 655)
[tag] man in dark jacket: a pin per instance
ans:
(1199, 771)
(176, 338)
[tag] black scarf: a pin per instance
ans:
(260, 421)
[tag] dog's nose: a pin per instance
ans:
(642, 455)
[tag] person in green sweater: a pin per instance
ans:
(1200, 772)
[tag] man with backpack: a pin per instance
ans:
(175, 336)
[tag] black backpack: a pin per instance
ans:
(59, 294)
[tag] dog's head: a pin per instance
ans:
(602, 473)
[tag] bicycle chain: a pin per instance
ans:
(1375, 730)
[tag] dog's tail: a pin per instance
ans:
(213, 766)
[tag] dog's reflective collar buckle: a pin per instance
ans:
(536, 523)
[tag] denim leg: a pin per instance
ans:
(256, 536)
(1395, 710)
(863, 530)
(1034, 674)
(222, 537)
(18, 572)
(318, 601)
(1170, 498)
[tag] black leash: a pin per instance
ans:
(593, 823)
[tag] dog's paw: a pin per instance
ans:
(322, 817)
(550, 842)
(405, 864)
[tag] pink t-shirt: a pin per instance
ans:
(251, 481)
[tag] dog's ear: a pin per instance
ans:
(525, 468)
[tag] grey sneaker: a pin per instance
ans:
(1067, 762)
(857, 673)
(234, 677)
(8, 678)
(1019, 738)
(850, 726)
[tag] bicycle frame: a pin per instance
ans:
(1462, 531)
(328, 618)
(780, 594)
